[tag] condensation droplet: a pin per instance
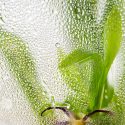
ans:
(57, 45)
(66, 105)
(106, 97)
(1, 18)
(43, 93)
(105, 91)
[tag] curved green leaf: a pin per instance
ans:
(23, 68)
(73, 76)
(72, 69)
(112, 40)
(112, 36)
(76, 57)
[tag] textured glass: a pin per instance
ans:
(66, 53)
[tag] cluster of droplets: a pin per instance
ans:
(79, 26)
(18, 58)
(22, 67)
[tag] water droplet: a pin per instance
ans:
(67, 105)
(1, 19)
(106, 97)
(57, 45)
(43, 93)
(105, 91)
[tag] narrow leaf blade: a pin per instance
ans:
(112, 36)
(22, 66)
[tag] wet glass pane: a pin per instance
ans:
(62, 62)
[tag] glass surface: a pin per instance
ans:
(67, 53)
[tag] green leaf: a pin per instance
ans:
(74, 72)
(98, 90)
(85, 33)
(94, 86)
(77, 56)
(104, 95)
(22, 66)
(112, 40)
(112, 36)
(74, 77)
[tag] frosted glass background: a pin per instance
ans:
(42, 25)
